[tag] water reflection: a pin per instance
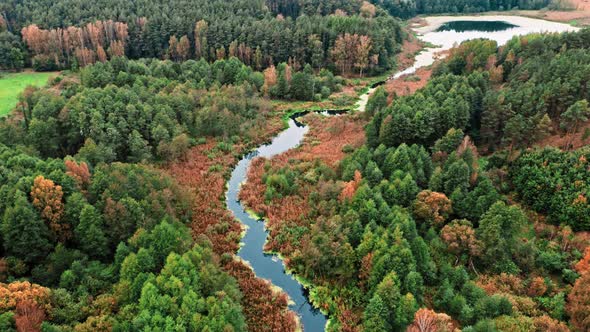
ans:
(486, 26)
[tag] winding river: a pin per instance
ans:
(442, 31)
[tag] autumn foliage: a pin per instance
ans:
(47, 198)
(426, 320)
(29, 316)
(578, 305)
(583, 266)
(353, 51)
(325, 141)
(460, 238)
(86, 44)
(16, 292)
(433, 207)
(265, 309)
(351, 186)
(79, 172)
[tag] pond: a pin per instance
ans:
(441, 31)
(486, 26)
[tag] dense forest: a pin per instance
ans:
(450, 205)
(65, 33)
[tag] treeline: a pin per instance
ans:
(411, 8)
(211, 30)
(107, 248)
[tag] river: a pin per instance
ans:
(442, 31)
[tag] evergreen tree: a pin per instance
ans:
(90, 234)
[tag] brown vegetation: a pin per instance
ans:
(265, 309)
(325, 141)
(86, 44)
(204, 170)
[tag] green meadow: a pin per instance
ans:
(11, 84)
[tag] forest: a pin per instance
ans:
(462, 206)
(59, 35)
(454, 214)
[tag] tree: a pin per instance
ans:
(450, 142)
(460, 239)
(79, 172)
(426, 320)
(139, 149)
(90, 235)
(498, 230)
(201, 45)
(432, 207)
(12, 53)
(316, 48)
(47, 198)
(172, 48)
(302, 86)
(571, 119)
(583, 265)
(377, 102)
(24, 233)
(183, 48)
(362, 50)
(29, 316)
(579, 303)
(375, 315)
(367, 10)
(544, 128)
(270, 79)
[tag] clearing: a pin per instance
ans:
(11, 84)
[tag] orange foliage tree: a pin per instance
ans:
(426, 320)
(537, 287)
(79, 172)
(433, 207)
(578, 306)
(29, 316)
(19, 291)
(86, 43)
(546, 323)
(583, 265)
(351, 186)
(351, 50)
(47, 198)
(460, 239)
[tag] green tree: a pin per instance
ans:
(571, 119)
(24, 234)
(376, 315)
(377, 101)
(498, 230)
(90, 234)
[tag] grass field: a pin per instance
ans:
(11, 84)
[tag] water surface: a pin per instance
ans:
(485, 26)
(268, 266)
